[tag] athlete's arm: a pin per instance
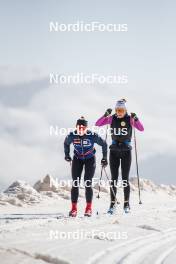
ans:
(135, 122)
(68, 140)
(104, 120)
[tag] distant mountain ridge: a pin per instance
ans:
(20, 193)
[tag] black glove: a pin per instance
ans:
(104, 162)
(108, 112)
(68, 158)
(134, 116)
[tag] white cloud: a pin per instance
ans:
(11, 75)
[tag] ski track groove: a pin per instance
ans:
(161, 259)
(37, 256)
(142, 240)
(138, 254)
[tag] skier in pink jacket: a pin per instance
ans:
(121, 124)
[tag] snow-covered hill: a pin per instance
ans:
(20, 193)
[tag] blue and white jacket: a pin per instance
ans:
(84, 145)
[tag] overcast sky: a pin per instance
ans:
(29, 105)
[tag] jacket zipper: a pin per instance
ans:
(82, 149)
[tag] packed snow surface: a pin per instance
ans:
(35, 227)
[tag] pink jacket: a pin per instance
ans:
(108, 120)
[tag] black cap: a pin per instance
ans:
(82, 122)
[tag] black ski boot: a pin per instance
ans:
(112, 209)
(126, 207)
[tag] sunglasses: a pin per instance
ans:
(120, 110)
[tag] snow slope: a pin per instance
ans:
(31, 233)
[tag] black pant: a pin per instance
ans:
(89, 166)
(117, 157)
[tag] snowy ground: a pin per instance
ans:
(146, 235)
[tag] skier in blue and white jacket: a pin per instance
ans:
(83, 141)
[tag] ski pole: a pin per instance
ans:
(137, 167)
(98, 195)
(116, 201)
